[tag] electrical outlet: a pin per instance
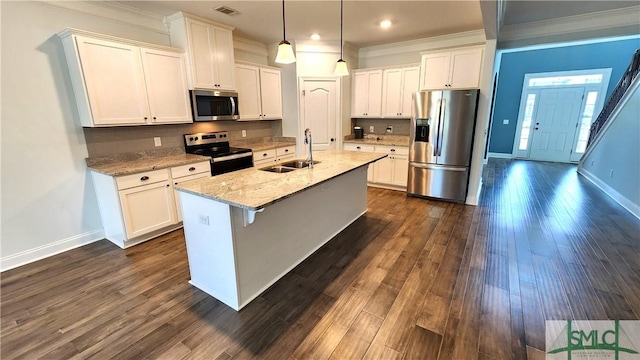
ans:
(505, 122)
(371, 129)
(157, 141)
(244, 133)
(390, 129)
(203, 219)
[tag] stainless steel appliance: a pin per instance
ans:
(214, 105)
(224, 158)
(441, 140)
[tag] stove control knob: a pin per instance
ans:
(196, 138)
(191, 138)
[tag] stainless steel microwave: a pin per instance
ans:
(214, 105)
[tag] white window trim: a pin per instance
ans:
(526, 90)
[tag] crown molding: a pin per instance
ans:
(115, 12)
(250, 46)
(597, 21)
(474, 37)
(182, 14)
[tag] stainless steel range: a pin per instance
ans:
(224, 158)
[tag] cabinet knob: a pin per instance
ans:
(144, 178)
(192, 169)
(154, 118)
(393, 149)
(170, 185)
(332, 139)
(286, 150)
(358, 147)
(265, 154)
(145, 118)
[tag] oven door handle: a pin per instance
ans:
(231, 157)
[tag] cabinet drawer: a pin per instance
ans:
(190, 169)
(143, 178)
(359, 147)
(264, 154)
(392, 150)
(281, 151)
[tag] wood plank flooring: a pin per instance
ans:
(412, 279)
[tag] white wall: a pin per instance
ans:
(48, 201)
(613, 163)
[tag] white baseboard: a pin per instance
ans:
(41, 252)
(499, 155)
(629, 205)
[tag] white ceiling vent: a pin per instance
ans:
(227, 10)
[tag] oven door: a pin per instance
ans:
(225, 164)
(214, 105)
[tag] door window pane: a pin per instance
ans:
(526, 122)
(585, 122)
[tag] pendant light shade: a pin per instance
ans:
(285, 50)
(341, 65)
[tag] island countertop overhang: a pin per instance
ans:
(254, 189)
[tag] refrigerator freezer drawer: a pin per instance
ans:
(438, 181)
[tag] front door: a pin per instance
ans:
(318, 112)
(554, 123)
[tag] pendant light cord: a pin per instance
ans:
(341, 44)
(284, 26)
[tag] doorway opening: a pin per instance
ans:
(556, 112)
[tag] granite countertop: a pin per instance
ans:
(254, 189)
(261, 144)
(387, 140)
(131, 163)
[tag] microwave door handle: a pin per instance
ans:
(233, 106)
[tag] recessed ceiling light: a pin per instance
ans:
(385, 24)
(315, 37)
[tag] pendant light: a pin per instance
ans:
(341, 65)
(285, 51)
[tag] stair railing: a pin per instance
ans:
(614, 99)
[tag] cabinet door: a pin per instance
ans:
(465, 68)
(167, 91)
(271, 93)
(223, 58)
(248, 81)
(200, 44)
(374, 107)
(391, 93)
(176, 193)
(114, 82)
(360, 92)
(383, 171)
(400, 170)
(147, 208)
(410, 79)
(435, 71)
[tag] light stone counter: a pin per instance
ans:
(131, 163)
(387, 140)
(254, 189)
(265, 143)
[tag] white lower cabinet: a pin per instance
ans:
(285, 153)
(390, 172)
(272, 156)
(138, 207)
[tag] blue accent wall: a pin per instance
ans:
(614, 54)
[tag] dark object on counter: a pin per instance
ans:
(358, 132)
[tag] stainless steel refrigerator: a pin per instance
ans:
(441, 140)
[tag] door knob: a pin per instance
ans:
(332, 139)
(535, 128)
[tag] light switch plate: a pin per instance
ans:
(157, 141)
(244, 133)
(371, 129)
(505, 122)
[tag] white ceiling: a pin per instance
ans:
(262, 20)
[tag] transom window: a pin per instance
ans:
(566, 80)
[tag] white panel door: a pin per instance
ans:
(114, 80)
(391, 93)
(360, 98)
(248, 86)
(319, 112)
(201, 43)
(224, 59)
(555, 124)
(147, 208)
(374, 108)
(465, 68)
(271, 93)
(435, 71)
(410, 80)
(167, 90)
(400, 170)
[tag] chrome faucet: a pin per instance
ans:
(307, 140)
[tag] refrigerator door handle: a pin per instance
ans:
(443, 104)
(437, 138)
(437, 167)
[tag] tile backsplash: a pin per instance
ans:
(400, 126)
(123, 139)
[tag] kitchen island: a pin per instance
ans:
(246, 229)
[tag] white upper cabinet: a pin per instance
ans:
(123, 82)
(166, 83)
(259, 92)
(397, 91)
(209, 50)
(455, 69)
(366, 94)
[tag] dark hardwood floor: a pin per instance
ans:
(412, 279)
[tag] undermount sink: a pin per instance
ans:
(278, 169)
(298, 164)
(289, 166)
